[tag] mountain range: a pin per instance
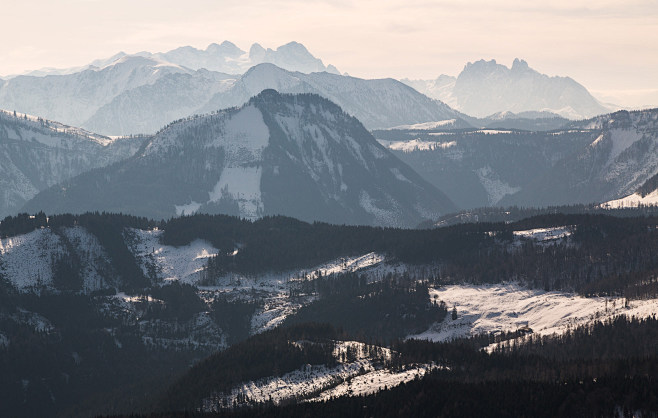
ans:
(224, 58)
(487, 87)
(140, 94)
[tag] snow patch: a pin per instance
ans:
(167, 262)
(242, 184)
(496, 188)
(545, 234)
(416, 145)
(622, 139)
(425, 125)
(187, 209)
(398, 175)
(383, 216)
(25, 260)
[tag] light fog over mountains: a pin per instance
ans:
(139, 93)
(491, 136)
(487, 87)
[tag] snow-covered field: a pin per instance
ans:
(170, 263)
(545, 234)
(425, 125)
(632, 201)
(507, 307)
(416, 145)
(362, 375)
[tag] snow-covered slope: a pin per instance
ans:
(622, 155)
(297, 155)
(36, 154)
(508, 307)
(486, 87)
(74, 98)
(633, 201)
(362, 375)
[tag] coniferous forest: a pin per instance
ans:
(144, 344)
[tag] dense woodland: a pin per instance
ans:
(600, 370)
(605, 255)
(381, 311)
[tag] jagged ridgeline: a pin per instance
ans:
(296, 155)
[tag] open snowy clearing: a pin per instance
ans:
(168, 262)
(632, 201)
(362, 375)
(545, 234)
(510, 306)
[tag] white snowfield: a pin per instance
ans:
(510, 306)
(495, 187)
(170, 263)
(632, 201)
(425, 125)
(362, 375)
(545, 234)
(416, 145)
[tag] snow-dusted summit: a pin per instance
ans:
(486, 87)
(296, 155)
(140, 93)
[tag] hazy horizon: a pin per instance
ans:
(609, 47)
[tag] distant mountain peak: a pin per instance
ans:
(519, 65)
(485, 87)
(226, 47)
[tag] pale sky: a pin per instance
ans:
(605, 45)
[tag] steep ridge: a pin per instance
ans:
(297, 155)
(36, 154)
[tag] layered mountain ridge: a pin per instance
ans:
(140, 94)
(592, 161)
